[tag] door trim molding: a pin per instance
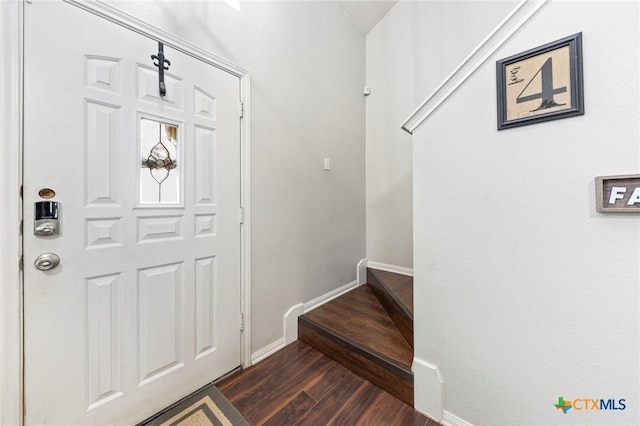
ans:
(245, 199)
(106, 11)
(11, 373)
(118, 17)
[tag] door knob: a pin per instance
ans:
(47, 261)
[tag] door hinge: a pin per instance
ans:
(241, 109)
(241, 322)
(21, 227)
(21, 262)
(241, 215)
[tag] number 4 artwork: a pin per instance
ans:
(541, 84)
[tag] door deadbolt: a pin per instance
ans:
(47, 261)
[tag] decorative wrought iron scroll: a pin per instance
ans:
(163, 64)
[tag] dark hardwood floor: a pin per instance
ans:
(300, 386)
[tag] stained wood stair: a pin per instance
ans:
(370, 331)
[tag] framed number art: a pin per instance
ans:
(541, 84)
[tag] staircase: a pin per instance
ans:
(370, 331)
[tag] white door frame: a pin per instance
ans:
(11, 142)
(10, 213)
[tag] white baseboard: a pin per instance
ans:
(290, 321)
(390, 268)
(428, 389)
(453, 420)
(327, 297)
(362, 272)
(267, 351)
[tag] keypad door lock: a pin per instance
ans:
(46, 218)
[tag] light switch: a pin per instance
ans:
(327, 163)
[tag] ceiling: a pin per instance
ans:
(365, 14)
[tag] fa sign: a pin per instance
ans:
(618, 194)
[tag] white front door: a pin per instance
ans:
(144, 307)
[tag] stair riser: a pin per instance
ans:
(396, 310)
(384, 373)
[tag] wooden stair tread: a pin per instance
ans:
(400, 286)
(395, 293)
(369, 330)
(360, 318)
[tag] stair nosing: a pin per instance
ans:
(390, 364)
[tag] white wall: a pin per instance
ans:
(409, 52)
(523, 292)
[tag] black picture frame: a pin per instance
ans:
(531, 89)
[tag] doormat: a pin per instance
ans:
(206, 407)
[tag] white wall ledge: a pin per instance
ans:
(525, 10)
